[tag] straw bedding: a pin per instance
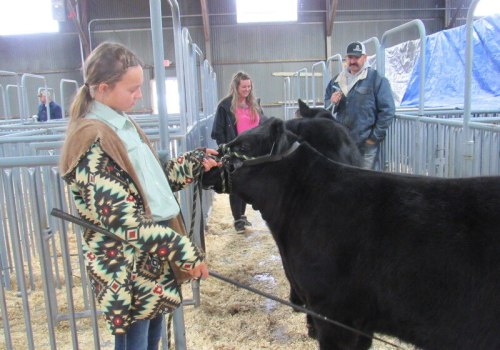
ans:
(229, 318)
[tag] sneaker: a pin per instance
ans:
(244, 218)
(239, 226)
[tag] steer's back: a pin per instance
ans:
(421, 255)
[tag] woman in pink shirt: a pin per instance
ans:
(236, 113)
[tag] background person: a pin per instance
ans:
(55, 109)
(237, 112)
(118, 183)
(362, 101)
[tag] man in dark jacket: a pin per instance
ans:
(362, 101)
(55, 109)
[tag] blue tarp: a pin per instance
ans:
(445, 63)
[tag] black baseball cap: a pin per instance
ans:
(356, 48)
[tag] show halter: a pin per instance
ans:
(227, 155)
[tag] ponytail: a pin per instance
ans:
(81, 103)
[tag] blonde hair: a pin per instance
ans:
(250, 99)
(106, 64)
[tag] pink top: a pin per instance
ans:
(244, 120)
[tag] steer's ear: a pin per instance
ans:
(276, 129)
(304, 110)
(277, 135)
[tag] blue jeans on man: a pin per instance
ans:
(369, 153)
(142, 335)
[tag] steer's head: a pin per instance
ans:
(268, 139)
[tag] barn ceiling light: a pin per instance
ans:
(252, 11)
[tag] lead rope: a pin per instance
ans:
(169, 331)
(300, 308)
(84, 223)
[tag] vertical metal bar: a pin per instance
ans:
(159, 70)
(378, 52)
(468, 139)
(66, 265)
(324, 72)
(5, 259)
(19, 99)
(188, 79)
(12, 217)
(41, 241)
(179, 60)
(5, 315)
(61, 88)
(23, 222)
(4, 101)
(179, 329)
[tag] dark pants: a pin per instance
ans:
(238, 206)
(142, 335)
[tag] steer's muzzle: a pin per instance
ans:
(231, 164)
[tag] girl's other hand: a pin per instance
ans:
(210, 161)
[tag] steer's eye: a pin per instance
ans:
(245, 147)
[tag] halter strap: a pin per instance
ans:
(249, 161)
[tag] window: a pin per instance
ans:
(487, 8)
(251, 11)
(172, 96)
(26, 17)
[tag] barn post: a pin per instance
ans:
(159, 70)
(468, 137)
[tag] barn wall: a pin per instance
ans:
(260, 49)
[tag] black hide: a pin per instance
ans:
(413, 257)
(323, 133)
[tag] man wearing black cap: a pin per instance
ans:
(362, 101)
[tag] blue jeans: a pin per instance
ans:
(369, 153)
(142, 335)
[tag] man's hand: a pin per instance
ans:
(336, 97)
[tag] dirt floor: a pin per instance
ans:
(228, 318)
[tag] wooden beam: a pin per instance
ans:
(80, 23)
(452, 22)
(330, 15)
(206, 29)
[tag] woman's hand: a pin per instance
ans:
(210, 161)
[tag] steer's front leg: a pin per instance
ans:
(332, 337)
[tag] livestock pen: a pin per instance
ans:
(455, 135)
(41, 269)
(41, 265)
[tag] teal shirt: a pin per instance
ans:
(154, 183)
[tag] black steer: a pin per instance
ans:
(315, 127)
(414, 257)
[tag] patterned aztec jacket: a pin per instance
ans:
(131, 281)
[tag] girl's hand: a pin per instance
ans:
(200, 271)
(210, 161)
